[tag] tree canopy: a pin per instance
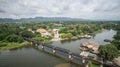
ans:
(14, 38)
(27, 34)
(108, 52)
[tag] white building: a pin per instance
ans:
(56, 33)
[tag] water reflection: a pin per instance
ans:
(73, 45)
(30, 56)
(67, 41)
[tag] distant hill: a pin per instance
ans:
(39, 19)
(42, 19)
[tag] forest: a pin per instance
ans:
(13, 32)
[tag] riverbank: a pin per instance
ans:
(99, 31)
(13, 45)
(32, 53)
(87, 36)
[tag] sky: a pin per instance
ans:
(86, 9)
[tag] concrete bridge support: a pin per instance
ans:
(70, 57)
(83, 60)
(54, 51)
(42, 46)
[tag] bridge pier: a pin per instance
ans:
(42, 46)
(83, 60)
(54, 51)
(70, 56)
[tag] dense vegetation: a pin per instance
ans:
(108, 52)
(116, 40)
(9, 32)
(111, 51)
(14, 32)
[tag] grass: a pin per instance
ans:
(13, 45)
(99, 31)
(93, 64)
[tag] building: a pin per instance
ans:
(31, 30)
(90, 46)
(56, 33)
(43, 32)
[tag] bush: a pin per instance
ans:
(43, 39)
(67, 35)
(3, 44)
(2, 36)
(27, 34)
(14, 38)
(108, 52)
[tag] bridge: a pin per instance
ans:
(65, 53)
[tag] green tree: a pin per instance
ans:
(43, 39)
(69, 35)
(66, 35)
(63, 30)
(116, 43)
(117, 36)
(108, 52)
(2, 36)
(27, 34)
(116, 40)
(63, 35)
(14, 38)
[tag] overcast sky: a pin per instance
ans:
(87, 9)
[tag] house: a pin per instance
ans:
(56, 33)
(43, 32)
(90, 46)
(31, 30)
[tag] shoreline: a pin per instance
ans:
(76, 37)
(13, 46)
(18, 45)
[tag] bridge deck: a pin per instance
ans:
(73, 55)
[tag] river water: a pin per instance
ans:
(73, 45)
(33, 57)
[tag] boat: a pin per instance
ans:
(107, 40)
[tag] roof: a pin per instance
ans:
(90, 45)
(41, 30)
(84, 53)
(92, 55)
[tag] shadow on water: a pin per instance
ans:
(19, 48)
(72, 64)
(67, 41)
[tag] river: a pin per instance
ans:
(28, 56)
(73, 45)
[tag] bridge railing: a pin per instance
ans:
(71, 56)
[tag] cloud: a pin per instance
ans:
(88, 9)
(2, 11)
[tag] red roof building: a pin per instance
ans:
(43, 32)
